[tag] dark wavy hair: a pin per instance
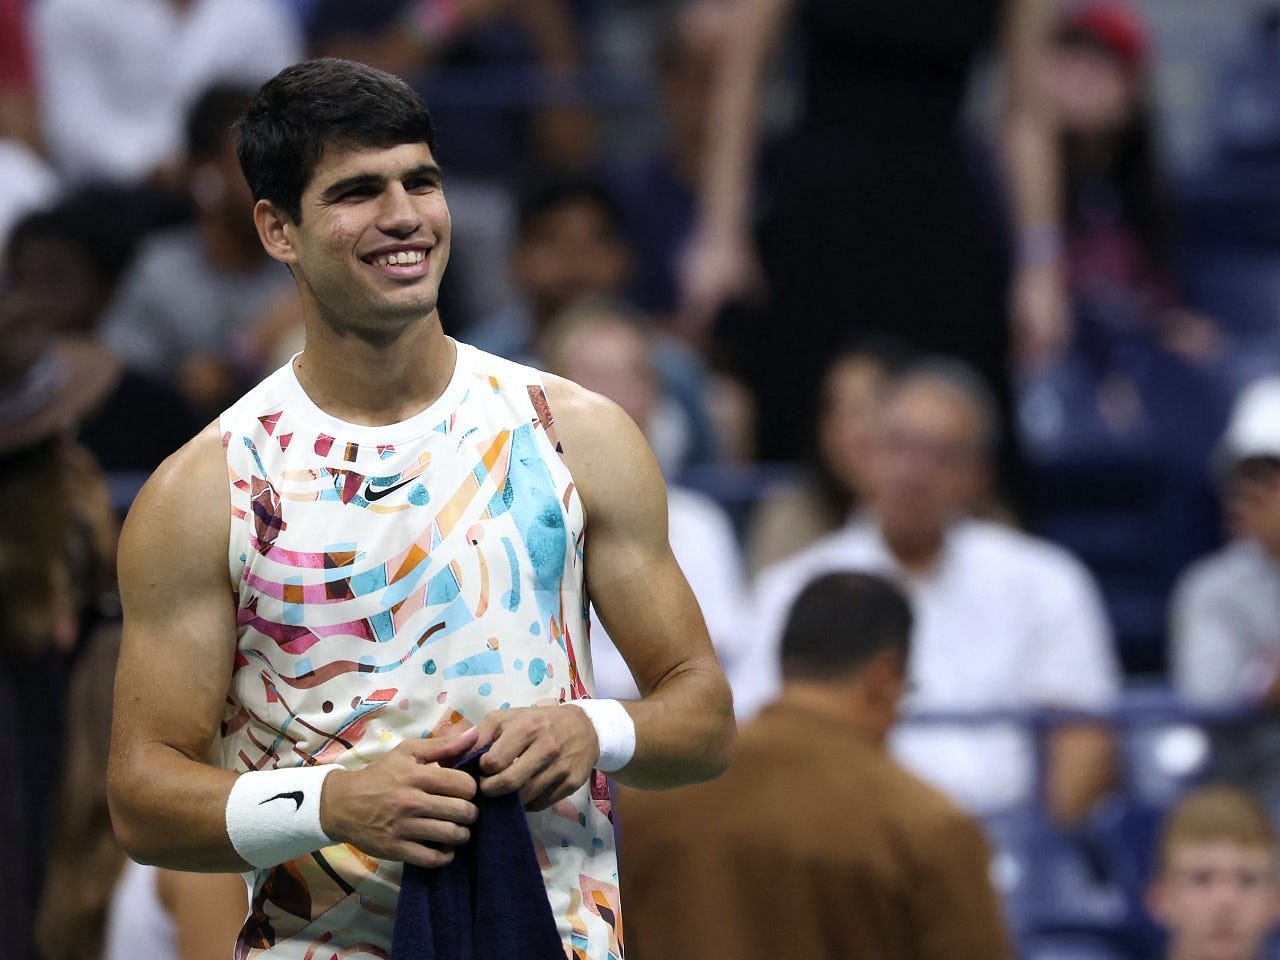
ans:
(312, 106)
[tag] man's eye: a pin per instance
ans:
(359, 193)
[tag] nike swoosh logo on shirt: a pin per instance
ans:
(294, 795)
(374, 495)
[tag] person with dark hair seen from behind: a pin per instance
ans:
(379, 560)
(184, 309)
(791, 516)
(1216, 891)
(815, 844)
(1006, 621)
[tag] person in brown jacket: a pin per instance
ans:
(815, 843)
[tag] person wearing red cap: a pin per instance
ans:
(1119, 227)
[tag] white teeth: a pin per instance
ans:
(404, 257)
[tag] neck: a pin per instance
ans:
(917, 552)
(374, 383)
(1177, 952)
(841, 702)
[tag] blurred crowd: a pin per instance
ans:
(958, 388)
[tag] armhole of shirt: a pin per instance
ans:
(240, 505)
(546, 419)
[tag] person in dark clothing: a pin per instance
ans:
(873, 222)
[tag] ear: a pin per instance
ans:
(885, 678)
(275, 230)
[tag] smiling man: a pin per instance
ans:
(378, 561)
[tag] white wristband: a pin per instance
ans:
(274, 815)
(615, 730)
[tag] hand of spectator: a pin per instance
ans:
(404, 806)
(1041, 314)
(719, 268)
(544, 753)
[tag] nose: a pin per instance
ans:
(398, 216)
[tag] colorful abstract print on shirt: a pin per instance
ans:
(403, 589)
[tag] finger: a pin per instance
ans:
(448, 808)
(409, 851)
(430, 830)
(514, 741)
(519, 772)
(491, 727)
(434, 749)
(547, 791)
(445, 782)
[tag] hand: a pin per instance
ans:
(1041, 314)
(718, 268)
(403, 801)
(545, 753)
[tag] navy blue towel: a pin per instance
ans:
(489, 903)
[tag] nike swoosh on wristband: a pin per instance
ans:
(374, 495)
(295, 795)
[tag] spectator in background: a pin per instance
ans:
(60, 281)
(1225, 631)
(608, 350)
(815, 843)
(117, 77)
(875, 163)
(659, 193)
(1004, 621)
(792, 516)
(184, 309)
(57, 552)
(98, 904)
(570, 247)
(28, 180)
(1217, 887)
(1119, 225)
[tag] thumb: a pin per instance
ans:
(435, 749)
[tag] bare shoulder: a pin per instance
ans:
(182, 512)
(605, 451)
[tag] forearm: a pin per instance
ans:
(1080, 772)
(1028, 135)
(685, 730)
(734, 120)
(170, 810)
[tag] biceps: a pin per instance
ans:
(173, 677)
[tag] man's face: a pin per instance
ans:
(571, 252)
(1253, 500)
(613, 360)
(1218, 900)
(373, 239)
(928, 464)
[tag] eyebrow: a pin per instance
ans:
(335, 190)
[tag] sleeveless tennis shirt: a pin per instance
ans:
(396, 582)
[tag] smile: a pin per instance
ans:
(402, 264)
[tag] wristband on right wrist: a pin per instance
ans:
(615, 731)
(274, 815)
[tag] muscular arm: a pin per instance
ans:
(684, 722)
(168, 805)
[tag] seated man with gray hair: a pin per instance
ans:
(1005, 621)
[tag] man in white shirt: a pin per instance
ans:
(1226, 608)
(1004, 621)
(117, 76)
(603, 347)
